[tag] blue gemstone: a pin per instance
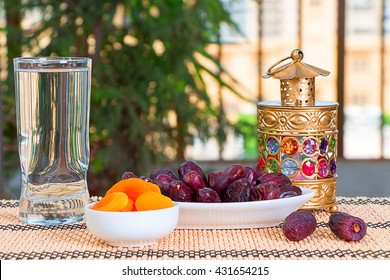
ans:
(289, 167)
(272, 145)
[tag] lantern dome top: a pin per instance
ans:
(294, 69)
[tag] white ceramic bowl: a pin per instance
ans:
(131, 229)
(233, 215)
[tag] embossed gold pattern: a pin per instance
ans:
(318, 119)
(325, 193)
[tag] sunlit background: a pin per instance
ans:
(273, 29)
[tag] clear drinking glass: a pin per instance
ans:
(52, 111)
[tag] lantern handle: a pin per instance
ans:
(296, 55)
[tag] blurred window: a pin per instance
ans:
(284, 25)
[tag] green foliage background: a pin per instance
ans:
(149, 98)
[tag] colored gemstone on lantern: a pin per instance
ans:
(323, 146)
(321, 157)
(289, 167)
(333, 143)
(271, 166)
(332, 166)
(290, 146)
(261, 141)
(272, 145)
(261, 163)
(308, 168)
(309, 146)
(323, 170)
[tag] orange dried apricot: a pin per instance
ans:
(154, 188)
(133, 187)
(130, 206)
(115, 201)
(152, 201)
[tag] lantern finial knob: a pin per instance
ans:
(297, 55)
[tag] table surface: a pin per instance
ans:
(22, 241)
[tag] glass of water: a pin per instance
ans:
(52, 111)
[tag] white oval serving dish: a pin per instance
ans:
(235, 215)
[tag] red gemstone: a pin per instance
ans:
(308, 168)
(323, 169)
(261, 163)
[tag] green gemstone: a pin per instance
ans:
(272, 166)
(333, 143)
(261, 141)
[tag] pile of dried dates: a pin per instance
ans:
(236, 183)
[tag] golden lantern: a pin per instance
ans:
(298, 135)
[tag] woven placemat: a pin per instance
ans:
(21, 241)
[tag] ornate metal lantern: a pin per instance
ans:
(298, 135)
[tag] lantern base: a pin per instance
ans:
(325, 193)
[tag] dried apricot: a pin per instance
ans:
(152, 201)
(115, 201)
(154, 187)
(129, 207)
(133, 187)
